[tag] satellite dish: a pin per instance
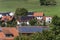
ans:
(11, 14)
(0, 15)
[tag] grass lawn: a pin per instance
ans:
(31, 5)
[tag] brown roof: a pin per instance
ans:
(8, 30)
(9, 18)
(12, 30)
(38, 14)
(2, 36)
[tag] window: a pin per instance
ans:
(49, 18)
(49, 21)
(9, 35)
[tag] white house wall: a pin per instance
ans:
(40, 18)
(19, 23)
(48, 19)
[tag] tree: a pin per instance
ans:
(50, 2)
(0, 23)
(56, 23)
(56, 27)
(33, 22)
(47, 2)
(21, 37)
(45, 35)
(16, 38)
(44, 23)
(24, 24)
(56, 31)
(42, 2)
(3, 24)
(56, 20)
(12, 23)
(21, 12)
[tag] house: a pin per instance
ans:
(30, 13)
(31, 29)
(8, 33)
(41, 18)
(6, 16)
(38, 15)
(48, 19)
(24, 19)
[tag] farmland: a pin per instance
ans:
(30, 5)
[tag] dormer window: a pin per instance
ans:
(49, 18)
(6, 14)
(9, 35)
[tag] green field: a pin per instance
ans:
(31, 5)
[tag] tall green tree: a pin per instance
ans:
(56, 27)
(21, 12)
(45, 35)
(56, 20)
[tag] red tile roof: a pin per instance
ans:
(9, 18)
(8, 30)
(2, 36)
(38, 14)
(14, 31)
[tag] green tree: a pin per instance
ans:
(22, 37)
(56, 20)
(48, 2)
(3, 24)
(0, 23)
(21, 12)
(56, 27)
(42, 2)
(16, 38)
(12, 23)
(33, 22)
(44, 23)
(45, 35)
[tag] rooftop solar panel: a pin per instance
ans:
(4, 14)
(26, 18)
(31, 29)
(30, 13)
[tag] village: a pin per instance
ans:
(29, 19)
(23, 24)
